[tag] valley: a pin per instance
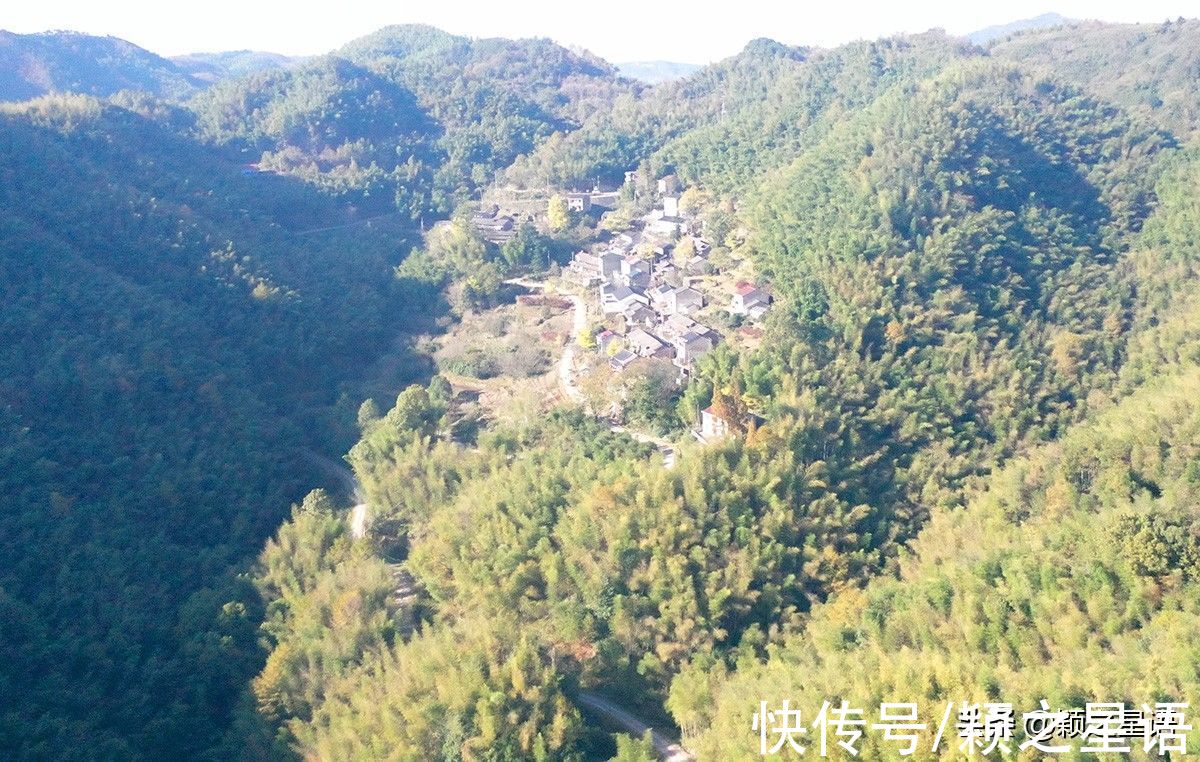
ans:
(445, 397)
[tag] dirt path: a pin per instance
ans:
(358, 521)
(566, 363)
(668, 748)
(665, 447)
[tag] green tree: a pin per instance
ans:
(630, 749)
(481, 288)
(527, 250)
(558, 214)
(368, 413)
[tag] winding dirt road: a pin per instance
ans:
(668, 748)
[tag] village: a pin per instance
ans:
(649, 296)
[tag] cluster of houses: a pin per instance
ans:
(653, 302)
(638, 284)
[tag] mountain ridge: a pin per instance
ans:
(1000, 31)
(37, 64)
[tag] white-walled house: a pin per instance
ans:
(749, 300)
(616, 299)
(689, 346)
(587, 268)
(712, 426)
(684, 301)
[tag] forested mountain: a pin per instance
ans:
(169, 347)
(338, 126)
(496, 99)
(66, 62)
(1146, 69)
(736, 118)
(214, 67)
(1075, 567)
(970, 470)
(409, 117)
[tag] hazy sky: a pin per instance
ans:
(620, 30)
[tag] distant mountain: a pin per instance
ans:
(214, 67)
(49, 62)
(1000, 31)
(731, 120)
(409, 115)
(409, 42)
(428, 59)
(1148, 68)
(656, 72)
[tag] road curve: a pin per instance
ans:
(668, 748)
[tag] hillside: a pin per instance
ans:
(1075, 569)
(170, 351)
(496, 99)
(67, 62)
(341, 128)
(1147, 69)
(1075, 566)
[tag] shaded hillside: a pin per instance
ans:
(168, 350)
(53, 62)
(338, 126)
